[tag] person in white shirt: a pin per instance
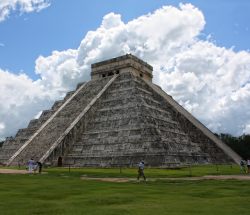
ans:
(248, 165)
(141, 171)
(31, 165)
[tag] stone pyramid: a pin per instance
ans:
(117, 118)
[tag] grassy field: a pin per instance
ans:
(63, 192)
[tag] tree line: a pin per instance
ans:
(240, 145)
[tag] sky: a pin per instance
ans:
(199, 50)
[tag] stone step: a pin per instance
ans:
(114, 147)
(68, 95)
(128, 130)
(46, 114)
(144, 91)
(79, 85)
(25, 133)
(139, 154)
(33, 123)
(57, 105)
(122, 90)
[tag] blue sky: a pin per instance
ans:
(199, 50)
(63, 25)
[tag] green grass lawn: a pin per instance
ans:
(63, 192)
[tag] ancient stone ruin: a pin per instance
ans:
(117, 118)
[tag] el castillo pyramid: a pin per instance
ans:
(117, 118)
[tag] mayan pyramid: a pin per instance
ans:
(117, 118)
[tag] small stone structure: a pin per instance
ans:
(117, 119)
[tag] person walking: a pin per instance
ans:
(248, 165)
(39, 164)
(141, 171)
(31, 165)
(242, 166)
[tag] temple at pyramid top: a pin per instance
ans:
(122, 64)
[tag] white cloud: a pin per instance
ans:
(22, 6)
(59, 71)
(218, 90)
(20, 99)
(2, 126)
(211, 82)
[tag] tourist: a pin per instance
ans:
(248, 165)
(141, 171)
(35, 167)
(39, 164)
(31, 165)
(242, 166)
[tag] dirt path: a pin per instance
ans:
(208, 177)
(109, 179)
(13, 171)
(226, 177)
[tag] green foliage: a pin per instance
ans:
(1, 143)
(240, 144)
(63, 192)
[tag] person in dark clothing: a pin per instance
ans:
(242, 166)
(39, 164)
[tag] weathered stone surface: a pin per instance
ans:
(11, 145)
(117, 119)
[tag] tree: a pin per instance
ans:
(240, 145)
